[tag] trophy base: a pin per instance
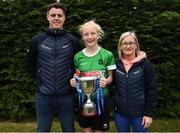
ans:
(89, 111)
(88, 114)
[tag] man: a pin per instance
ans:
(50, 62)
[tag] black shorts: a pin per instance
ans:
(97, 122)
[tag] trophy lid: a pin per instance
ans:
(87, 78)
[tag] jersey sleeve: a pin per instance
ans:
(111, 62)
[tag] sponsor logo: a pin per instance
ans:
(100, 61)
(46, 47)
(137, 72)
(120, 72)
(88, 74)
(82, 64)
(65, 46)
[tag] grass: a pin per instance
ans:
(159, 125)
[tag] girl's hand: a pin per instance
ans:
(103, 82)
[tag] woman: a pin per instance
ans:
(135, 93)
(96, 61)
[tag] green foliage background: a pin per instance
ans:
(156, 22)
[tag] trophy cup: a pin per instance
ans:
(87, 85)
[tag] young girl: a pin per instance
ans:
(94, 60)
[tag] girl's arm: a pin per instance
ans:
(106, 81)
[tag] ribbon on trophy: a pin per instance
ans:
(99, 96)
(79, 91)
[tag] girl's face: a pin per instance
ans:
(128, 46)
(90, 35)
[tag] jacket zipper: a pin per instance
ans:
(127, 76)
(55, 56)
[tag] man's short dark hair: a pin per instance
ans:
(56, 5)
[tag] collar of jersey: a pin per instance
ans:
(90, 55)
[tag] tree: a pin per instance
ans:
(157, 24)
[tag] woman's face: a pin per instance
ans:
(90, 35)
(128, 46)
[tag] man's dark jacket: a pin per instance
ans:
(50, 61)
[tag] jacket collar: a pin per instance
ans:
(120, 64)
(55, 31)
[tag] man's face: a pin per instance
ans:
(56, 18)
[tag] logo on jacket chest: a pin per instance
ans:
(120, 72)
(46, 47)
(136, 72)
(65, 46)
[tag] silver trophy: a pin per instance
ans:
(88, 85)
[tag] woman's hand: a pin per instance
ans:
(73, 82)
(147, 121)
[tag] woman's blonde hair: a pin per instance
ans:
(93, 23)
(122, 38)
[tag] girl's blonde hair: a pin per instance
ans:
(93, 23)
(122, 38)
